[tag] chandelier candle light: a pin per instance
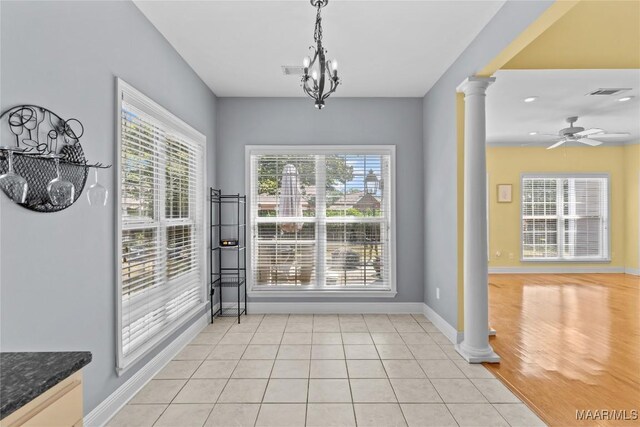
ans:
(316, 71)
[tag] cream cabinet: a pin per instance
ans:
(59, 406)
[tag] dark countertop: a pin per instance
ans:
(25, 376)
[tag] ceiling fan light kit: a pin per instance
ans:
(317, 71)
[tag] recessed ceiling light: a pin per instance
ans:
(625, 98)
(530, 99)
(533, 133)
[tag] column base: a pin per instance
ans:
(477, 356)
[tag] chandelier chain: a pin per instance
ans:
(317, 34)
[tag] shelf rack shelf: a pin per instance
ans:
(228, 264)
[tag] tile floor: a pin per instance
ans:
(323, 370)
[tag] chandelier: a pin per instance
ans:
(319, 76)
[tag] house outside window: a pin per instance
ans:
(565, 217)
(160, 233)
(321, 220)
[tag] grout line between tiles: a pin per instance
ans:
(346, 367)
(391, 385)
(493, 405)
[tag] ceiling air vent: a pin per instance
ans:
(292, 70)
(608, 91)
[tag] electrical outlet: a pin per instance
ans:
(437, 293)
(510, 255)
(498, 254)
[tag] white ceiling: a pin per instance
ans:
(384, 48)
(561, 93)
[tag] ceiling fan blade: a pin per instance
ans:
(557, 144)
(591, 142)
(591, 131)
(610, 135)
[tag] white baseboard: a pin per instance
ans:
(634, 271)
(102, 413)
(447, 330)
(554, 270)
(333, 307)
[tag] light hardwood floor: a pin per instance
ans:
(568, 342)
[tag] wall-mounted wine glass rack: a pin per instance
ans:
(42, 164)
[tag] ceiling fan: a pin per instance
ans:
(580, 134)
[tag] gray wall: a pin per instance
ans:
(440, 179)
(294, 121)
(58, 270)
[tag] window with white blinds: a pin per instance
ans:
(321, 218)
(161, 224)
(565, 218)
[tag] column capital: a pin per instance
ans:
(475, 85)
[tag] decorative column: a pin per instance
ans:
(475, 346)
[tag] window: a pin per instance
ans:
(565, 218)
(160, 239)
(321, 220)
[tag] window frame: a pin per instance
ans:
(280, 291)
(606, 258)
(125, 362)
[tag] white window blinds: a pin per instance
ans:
(161, 228)
(565, 218)
(321, 219)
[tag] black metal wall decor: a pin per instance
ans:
(42, 164)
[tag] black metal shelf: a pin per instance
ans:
(226, 283)
(220, 248)
(228, 271)
(231, 312)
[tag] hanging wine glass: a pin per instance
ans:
(13, 184)
(97, 194)
(61, 192)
